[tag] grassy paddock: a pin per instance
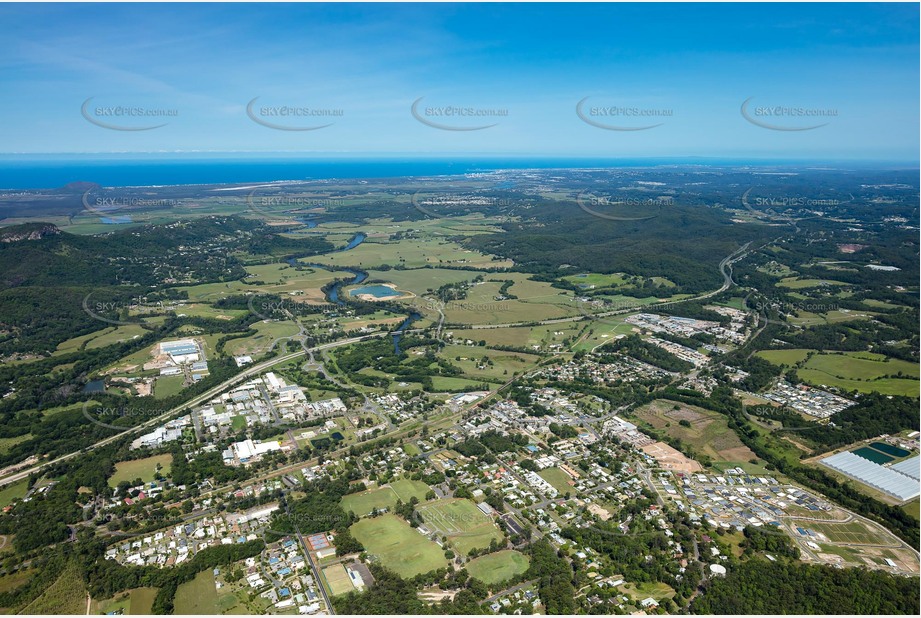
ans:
(140, 468)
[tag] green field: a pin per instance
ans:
(913, 508)
(67, 595)
(266, 334)
(447, 384)
(396, 545)
(499, 365)
(862, 372)
(140, 468)
(198, 596)
(785, 357)
(384, 497)
(337, 580)
(559, 479)
(795, 283)
(7, 443)
(15, 580)
(133, 602)
(656, 590)
(167, 386)
(466, 526)
(498, 567)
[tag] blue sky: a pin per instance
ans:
(695, 63)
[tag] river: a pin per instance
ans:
(358, 276)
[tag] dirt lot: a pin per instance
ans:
(671, 459)
(708, 433)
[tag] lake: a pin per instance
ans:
(377, 291)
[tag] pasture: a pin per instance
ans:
(862, 372)
(133, 602)
(143, 469)
(198, 596)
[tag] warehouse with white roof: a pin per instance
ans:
(890, 482)
(909, 467)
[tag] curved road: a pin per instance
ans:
(725, 267)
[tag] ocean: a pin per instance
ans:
(33, 172)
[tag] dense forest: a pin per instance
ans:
(762, 587)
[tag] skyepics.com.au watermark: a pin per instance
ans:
(113, 208)
(462, 305)
(793, 202)
(108, 416)
(624, 207)
(292, 117)
(440, 205)
(278, 207)
(795, 307)
(786, 117)
(281, 308)
(104, 310)
(787, 202)
(148, 523)
(622, 117)
(126, 117)
(456, 117)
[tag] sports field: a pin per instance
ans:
(143, 469)
(397, 546)
(384, 497)
(337, 579)
(466, 526)
(498, 567)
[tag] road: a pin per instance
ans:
(209, 394)
(313, 566)
(725, 267)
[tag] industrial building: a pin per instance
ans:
(886, 480)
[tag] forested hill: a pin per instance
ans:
(761, 587)
(681, 243)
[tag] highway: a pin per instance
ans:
(725, 267)
(213, 392)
